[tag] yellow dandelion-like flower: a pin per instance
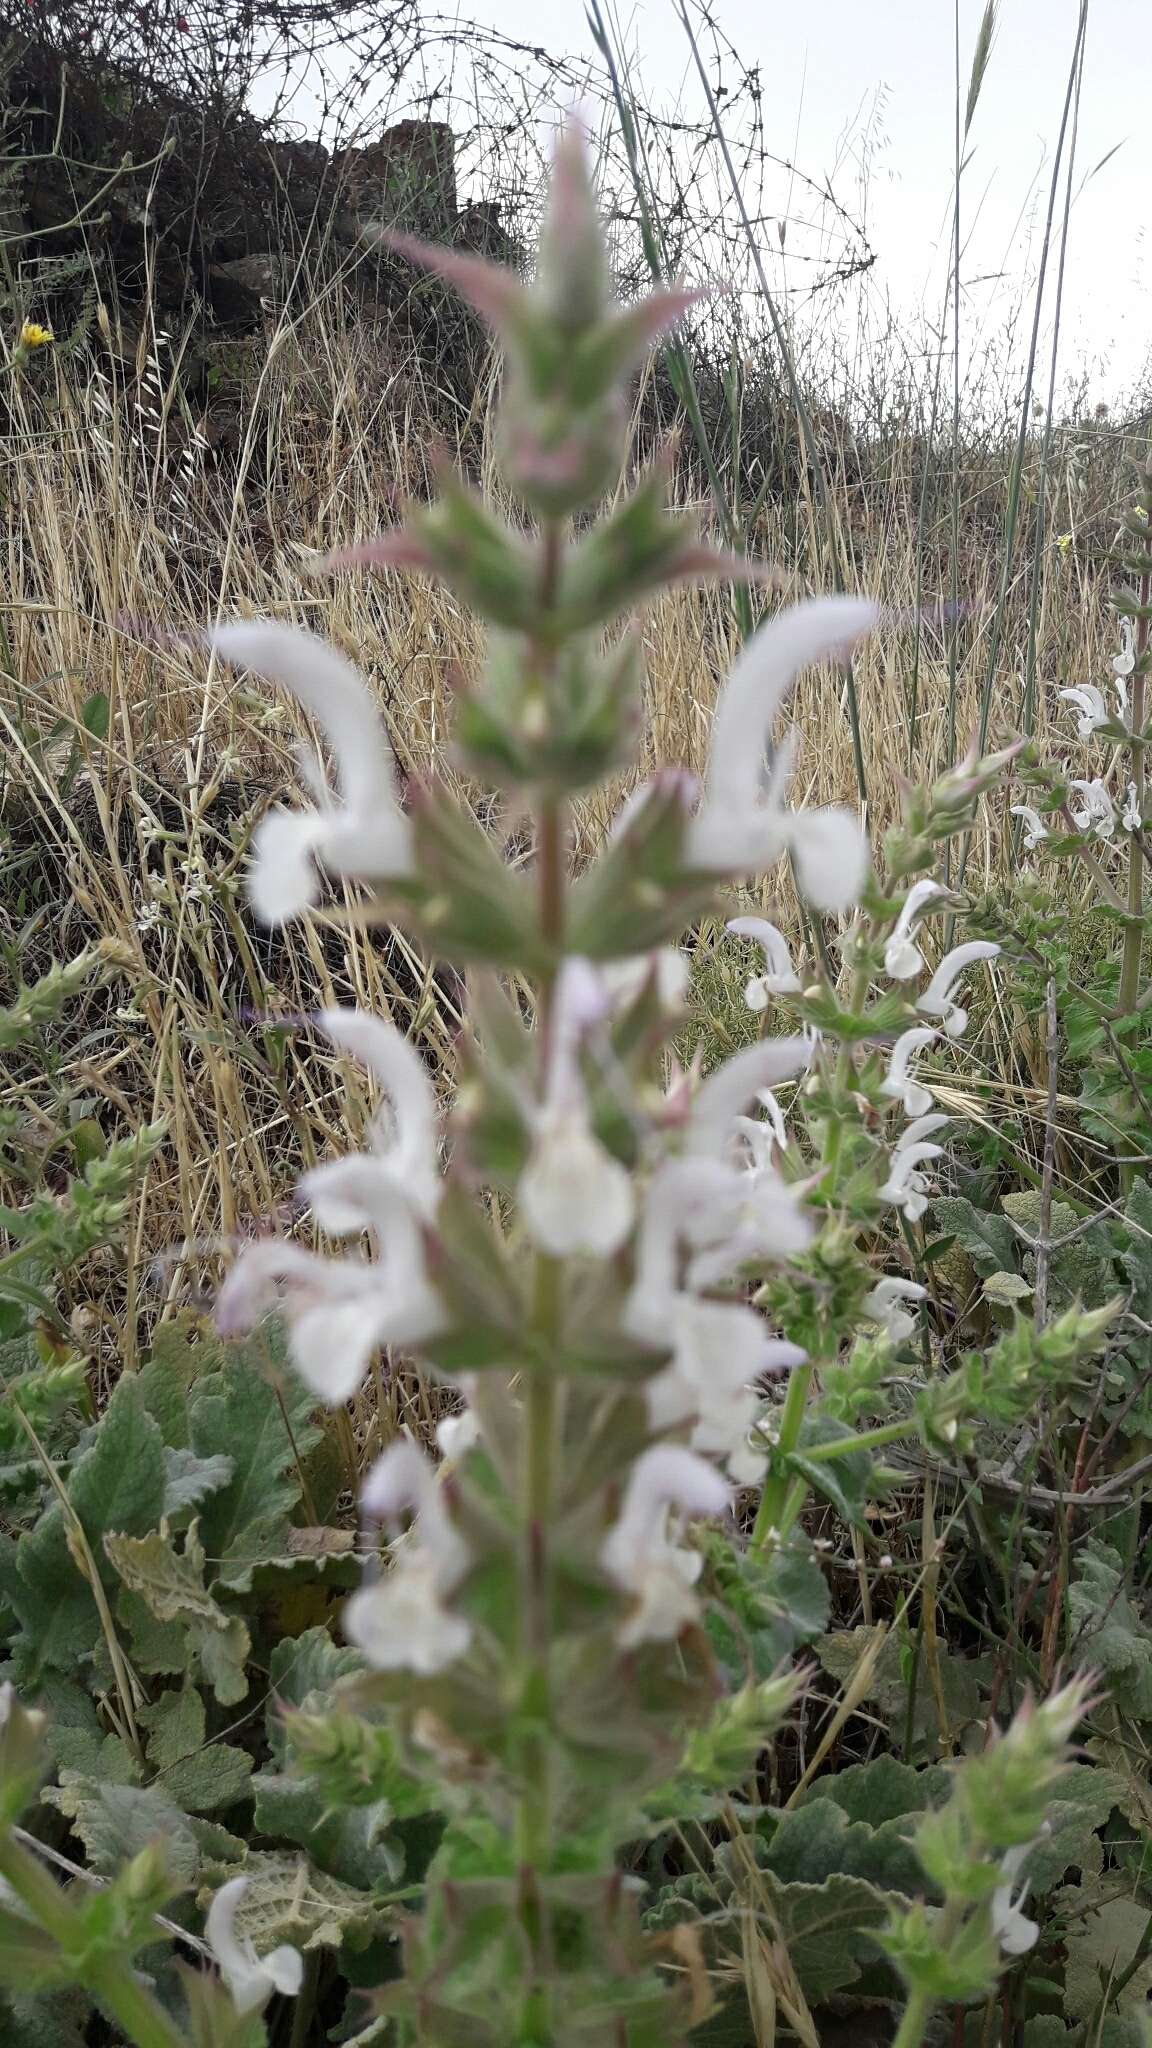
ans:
(32, 335)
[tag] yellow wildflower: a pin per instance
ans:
(32, 335)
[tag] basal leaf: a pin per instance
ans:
(288, 1901)
(115, 1822)
(301, 1673)
(200, 1776)
(351, 1845)
(188, 1479)
(989, 1240)
(117, 1484)
(246, 1521)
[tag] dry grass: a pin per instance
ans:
(114, 514)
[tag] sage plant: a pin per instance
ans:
(584, 1245)
(571, 1247)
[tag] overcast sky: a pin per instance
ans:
(829, 66)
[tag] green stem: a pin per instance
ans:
(868, 1440)
(770, 1515)
(914, 2024)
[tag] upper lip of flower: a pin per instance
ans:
(407, 1146)
(740, 826)
(368, 833)
(902, 956)
(936, 999)
(1089, 701)
(780, 977)
(250, 1978)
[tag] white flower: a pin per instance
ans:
(882, 1303)
(1089, 702)
(1124, 663)
(340, 1311)
(367, 836)
(1130, 815)
(906, 1186)
(903, 959)
(575, 1198)
(743, 826)
(456, 1434)
(936, 1000)
(1098, 815)
(731, 1087)
(761, 1138)
(404, 1137)
(402, 1622)
(720, 1348)
(1012, 1928)
(780, 977)
(899, 1083)
(666, 971)
(1034, 827)
(251, 1979)
(637, 1552)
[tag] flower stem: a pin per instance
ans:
(913, 2025)
(868, 1440)
(1134, 934)
(1129, 994)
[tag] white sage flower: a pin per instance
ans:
(1034, 827)
(936, 1000)
(339, 1312)
(404, 1135)
(1089, 702)
(727, 1092)
(900, 1082)
(743, 825)
(720, 1350)
(884, 1302)
(906, 1187)
(1011, 1926)
(250, 1979)
(457, 1434)
(1098, 813)
(761, 1138)
(637, 1552)
(367, 836)
(402, 1621)
(1130, 816)
(780, 977)
(1124, 663)
(575, 1198)
(666, 971)
(903, 960)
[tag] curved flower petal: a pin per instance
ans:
(250, 1979)
(830, 852)
(740, 827)
(368, 835)
(412, 1153)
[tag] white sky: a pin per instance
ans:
(823, 66)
